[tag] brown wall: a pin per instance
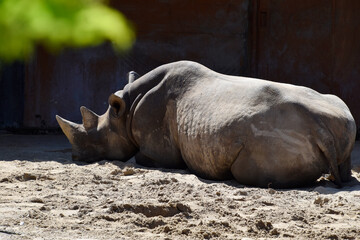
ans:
(310, 43)
(211, 32)
(304, 42)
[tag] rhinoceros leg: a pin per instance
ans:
(144, 160)
(245, 171)
(258, 165)
(345, 170)
(148, 162)
(328, 149)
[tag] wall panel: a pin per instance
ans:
(211, 32)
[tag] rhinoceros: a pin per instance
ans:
(259, 132)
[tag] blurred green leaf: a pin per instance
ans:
(56, 24)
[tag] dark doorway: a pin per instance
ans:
(11, 95)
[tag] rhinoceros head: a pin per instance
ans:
(100, 137)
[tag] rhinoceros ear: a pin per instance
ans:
(132, 76)
(90, 119)
(117, 104)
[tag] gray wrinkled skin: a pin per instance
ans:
(183, 114)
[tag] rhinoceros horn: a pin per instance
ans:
(90, 119)
(69, 128)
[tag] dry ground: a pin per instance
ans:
(45, 195)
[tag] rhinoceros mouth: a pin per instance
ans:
(78, 133)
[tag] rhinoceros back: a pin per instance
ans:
(256, 130)
(275, 126)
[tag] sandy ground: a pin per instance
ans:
(45, 195)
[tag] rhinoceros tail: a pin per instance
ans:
(327, 146)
